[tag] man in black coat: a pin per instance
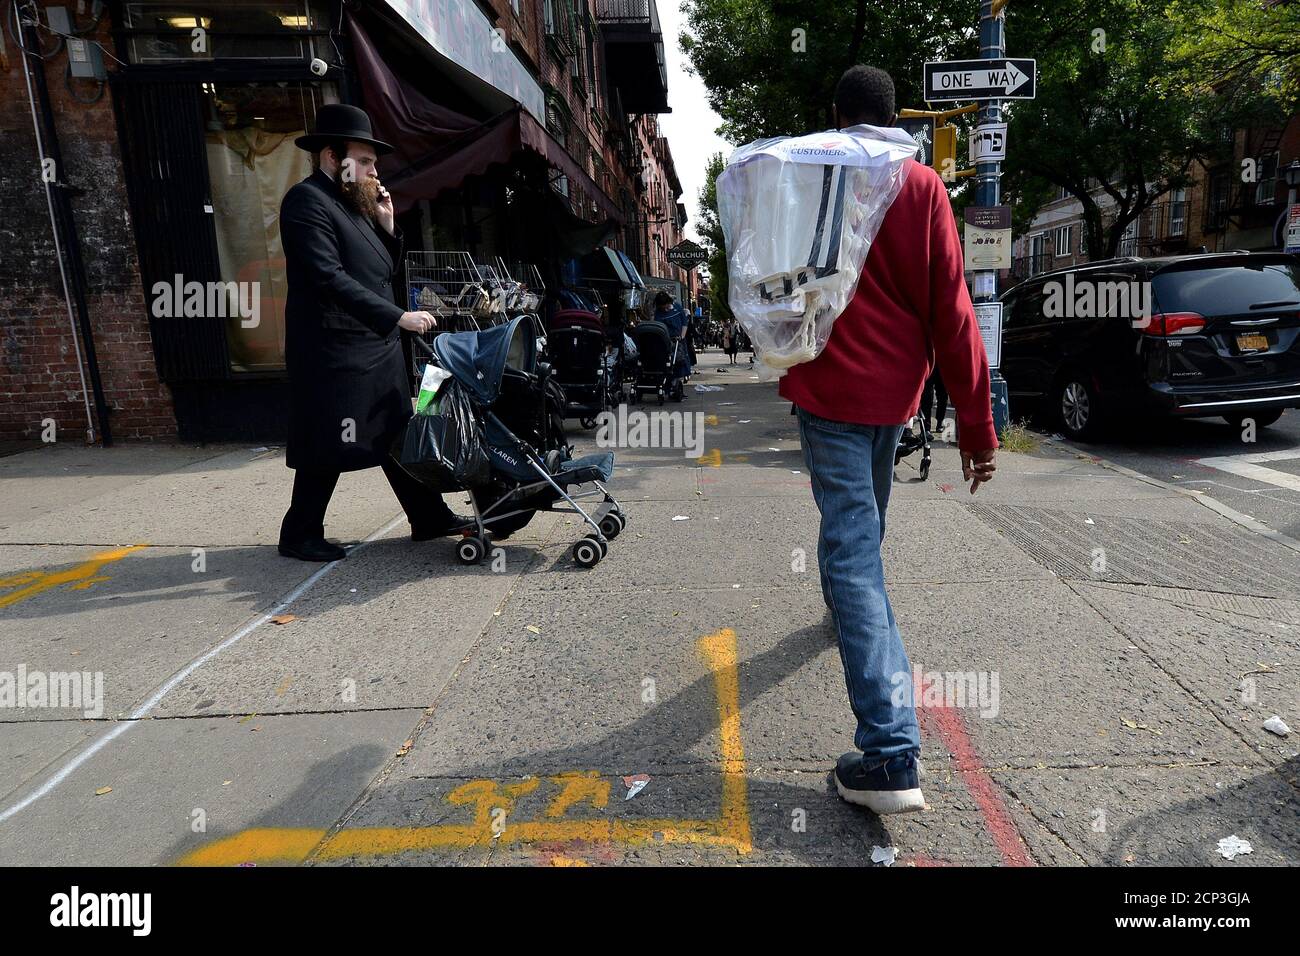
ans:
(350, 397)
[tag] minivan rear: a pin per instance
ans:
(1223, 335)
(1201, 335)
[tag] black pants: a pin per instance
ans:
(305, 519)
(936, 396)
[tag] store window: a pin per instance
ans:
(162, 31)
(252, 163)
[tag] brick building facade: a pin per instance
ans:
(163, 161)
(1237, 201)
(44, 374)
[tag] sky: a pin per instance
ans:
(691, 124)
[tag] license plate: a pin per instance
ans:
(1253, 342)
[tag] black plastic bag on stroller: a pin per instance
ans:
(445, 450)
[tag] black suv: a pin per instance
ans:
(1194, 336)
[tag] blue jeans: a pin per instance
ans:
(852, 468)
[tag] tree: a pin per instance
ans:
(1116, 111)
(710, 230)
(771, 66)
(1243, 49)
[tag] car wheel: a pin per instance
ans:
(1262, 418)
(1077, 408)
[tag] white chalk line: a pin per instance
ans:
(134, 717)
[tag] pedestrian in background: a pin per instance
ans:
(935, 398)
(910, 308)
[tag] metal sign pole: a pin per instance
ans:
(987, 177)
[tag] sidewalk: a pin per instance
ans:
(419, 711)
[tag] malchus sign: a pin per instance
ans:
(686, 254)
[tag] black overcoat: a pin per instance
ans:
(350, 395)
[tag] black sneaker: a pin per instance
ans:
(892, 787)
(314, 550)
(458, 525)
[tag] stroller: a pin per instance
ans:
(658, 371)
(575, 345)
(911, 440)
(498, 370)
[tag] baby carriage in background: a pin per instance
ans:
(912, 440)
(659, 362)
(575, 346)
(622, 367)
(497, 370)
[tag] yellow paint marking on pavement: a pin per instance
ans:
(719, 652)
(578, 785)
(80, 576)
(493, 804)
(713, 459)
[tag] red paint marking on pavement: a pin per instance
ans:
(997, 820)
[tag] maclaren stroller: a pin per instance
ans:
(575, 345)
(497, 369)
(659, 362)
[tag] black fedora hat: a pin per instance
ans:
(337, 121)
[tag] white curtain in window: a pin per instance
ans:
(250, 170)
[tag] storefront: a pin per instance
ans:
(209, 99)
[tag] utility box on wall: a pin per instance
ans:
(85, 58)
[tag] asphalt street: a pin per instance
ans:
(1260, 478)
(1096, 654)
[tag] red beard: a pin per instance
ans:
(362, 196)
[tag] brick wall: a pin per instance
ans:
(38, 359)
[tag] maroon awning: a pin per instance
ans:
(436, 148)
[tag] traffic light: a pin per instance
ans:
(943, 151)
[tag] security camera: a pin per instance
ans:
(319, 66)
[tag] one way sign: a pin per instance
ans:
(980, 80)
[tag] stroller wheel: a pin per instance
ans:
(661, 396)
(925, 468)
(588, 552)
(470, 550)
(611, 525)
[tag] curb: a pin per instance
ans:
(1218, 507)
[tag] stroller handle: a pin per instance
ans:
(428, 349)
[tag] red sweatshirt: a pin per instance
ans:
(911, 306)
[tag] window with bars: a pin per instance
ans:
(1266, 180)
(1178, 212)
(1128, 241)
(557, 22)
(1062, 239)
(1216, 200)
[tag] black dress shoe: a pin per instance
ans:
(457, 524)
(315, 550)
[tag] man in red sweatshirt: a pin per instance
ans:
(911, 307)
